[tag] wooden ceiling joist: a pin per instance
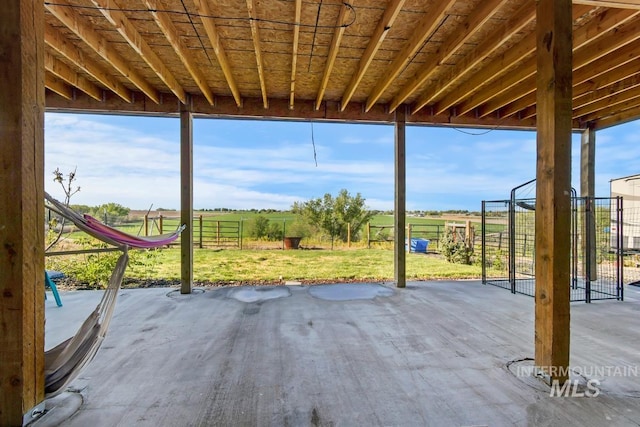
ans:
(476, 58)
(255, 34)
(166, 25)
(64, 72)
(378, 36)
(208, 22)
(54, 39)
(467, 29)
(119, 20)
(294, 53)
(56, 85)
(74, 22)
(333, 53)
(519, 20)
(423, 30)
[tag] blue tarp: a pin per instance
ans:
(419, 245)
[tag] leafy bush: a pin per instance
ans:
(455, 251)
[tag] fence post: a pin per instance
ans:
(241, 231)
(348, 234)
(368, 235)
(146, 224)
(160, 224)
(408, 238)
(200, 225)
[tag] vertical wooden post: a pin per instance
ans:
(369, 235)
(21, 210)
(160, 224)
(553, 189)
(146, 224)
(348, 234)
(186, 197)
(587, 190)
(218, 233)
(200, 229)
(399, 212)
(409, 238)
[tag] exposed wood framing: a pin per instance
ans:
(21, 210)
(60, 44)
(523, 17)
(214, 38)
(468, 28)
(378, 36)
(255, 34)
(119, 20)
(333, 52)
(166, 25)
(423, 30)
(53, 83)
(400, 199)
(621, 4)
(70, 18)
(64, 72)
(588, 190)
(294, 53)
(186, 198)
(553, 189)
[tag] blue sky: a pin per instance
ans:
(242, 164)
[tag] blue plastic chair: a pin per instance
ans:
(50, 283)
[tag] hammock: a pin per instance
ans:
(64, 362)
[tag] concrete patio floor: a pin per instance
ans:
(447, 353)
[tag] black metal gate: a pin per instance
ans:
(508, 246)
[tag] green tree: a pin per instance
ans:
(110, 212)
(258, 227)
(334, 215)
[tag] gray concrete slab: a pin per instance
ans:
(435, 354)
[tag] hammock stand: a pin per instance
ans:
(64, 362)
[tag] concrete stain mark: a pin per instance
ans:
(252, 309)
(258, 293)
(346, 292)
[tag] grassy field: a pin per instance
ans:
(304, 265)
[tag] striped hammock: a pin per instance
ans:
(64, 362)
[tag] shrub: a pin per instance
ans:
(455, 251)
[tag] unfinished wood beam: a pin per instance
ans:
(375, 41)
(553, 189)
(53, 83)
(119, 20)
(186, 198)
(294, 53)
(21, 211)
(590, 42)
(523, 17)
(616, 117)
(255, 34)
(79, 26)
(64, 72)
(54, 39)
(214, 38)
(400, 199)
(620, 4)
(166, 25)
(479, 16)
(425, 28)
(333, 53)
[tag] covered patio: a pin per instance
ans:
(556, 66)
(445, 353)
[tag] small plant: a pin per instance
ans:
(455, 251)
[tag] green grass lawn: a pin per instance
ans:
(304, 265)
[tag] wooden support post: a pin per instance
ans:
(587, 190)
(186, 197)
(553, 189)
(145, 224)
(369, 235)
(400, 220)
(21, 210)
(160, 224)
(409, 238)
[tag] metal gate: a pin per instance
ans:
(508, 246)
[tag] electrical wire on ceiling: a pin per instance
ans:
(218, 17)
